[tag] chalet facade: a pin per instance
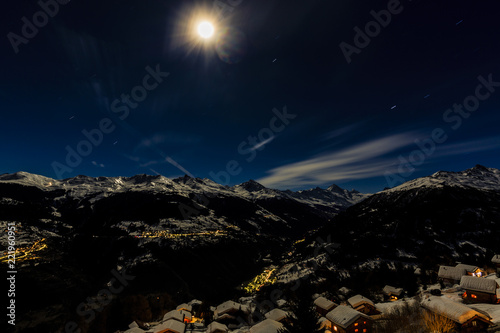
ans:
(392, 294)
(479, 290)
(466, 319)
(363, 305)
(496, 261)
(451, 275)
(323, 305)
(472, 270)
(344, 319)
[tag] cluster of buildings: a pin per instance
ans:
(356, 315)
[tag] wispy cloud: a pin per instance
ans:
(356, 162)
(365, 160)
(262, 143)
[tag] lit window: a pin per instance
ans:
(335, 328)
(473, 296)
(355, 324)
(474, 323)
(364, 322)
(364, 330)
(356, 330)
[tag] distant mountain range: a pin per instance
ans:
(192, 237)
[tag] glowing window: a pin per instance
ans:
(474, 323)
(473, 296)
(364, 330)
(335, 328)
(356, 330)
(355, 324)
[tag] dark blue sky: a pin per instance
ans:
(350, 123)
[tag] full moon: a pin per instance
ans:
(205, 29)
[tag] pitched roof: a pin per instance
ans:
(457, 312)
(448, 272)
(172, 325)
(214, 326)
(390, 290)
(135, 330)
(357, 300)
(344, 316)
(227, 306)
(468, 268)
(276, 314)
(174, 314)
(496, 259)
(266, 326)
(324, 303)
(185, 306)
(478, 284)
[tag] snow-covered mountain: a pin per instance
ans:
(442, 218)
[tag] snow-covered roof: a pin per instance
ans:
(185, 306)
(468, 268)
(170, 325)
(276, 314)
(390, 290)
(133, 324)
(226, 307)
(215, 326)
(324, 303)
(457, 312)
(357, 300)
(449, 272)
(323, 322)
(135, 330)
(344, 316)
(174, 314)
(478, 284)
(186, 314)
(496, 259)
(266, 326)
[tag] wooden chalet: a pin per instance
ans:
(392, 293)
(363, 305)
(323, 305)
(344, 319)
(472, 270)
(467, 320)
(479, 290)
(231, 313)
(451, 275)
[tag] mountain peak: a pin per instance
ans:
(335, 188)
(252, 186)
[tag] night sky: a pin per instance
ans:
(293, 94)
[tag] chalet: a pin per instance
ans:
(363, 305)
(392, 294)
(472, 270)
(451, 275)
(231, 313)
(277, 315)
(344, 319)
(479, 290)
(267, 326)
(216, 327)
(323, 306)
(496, 261)
(170, 326)
(466, 319)
(175, 315)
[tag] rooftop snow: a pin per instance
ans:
(344, 316)
(455, 311)
(358, 300)
(324, 303)
(449, 272)
(478, 284)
